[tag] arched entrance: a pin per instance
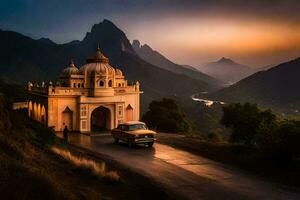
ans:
(67, 118)
(129, 113)
(100, 119)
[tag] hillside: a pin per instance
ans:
(226, 70)
(23, 58)
(155, 58)
(277, 88)
(31, 169)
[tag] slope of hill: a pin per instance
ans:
(155, 58)
(30, 169)
(277, 88)
(226, 70)
(23, 58)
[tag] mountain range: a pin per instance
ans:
(23, 58)
(155, 58)
(226, 70)
(276, 88)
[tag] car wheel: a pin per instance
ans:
(150, 144)
(130, 144)
(116, 140)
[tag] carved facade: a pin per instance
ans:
(93, 98)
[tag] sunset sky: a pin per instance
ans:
(252, 32)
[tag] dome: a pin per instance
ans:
(97, 68)
(97, 65)
(119, 72)
(71, 69)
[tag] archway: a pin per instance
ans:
(30, 109)
(100, 119)
(35, 111)
(43, 115)
(67, 118)
(39, 112)
(129, 113)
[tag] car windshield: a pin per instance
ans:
(134, 127)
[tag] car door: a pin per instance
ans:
(123, 134)
(117, 132)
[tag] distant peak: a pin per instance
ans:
(225, 60)
(46, 40)
(106, 21)
(136, 45)
(146, 46)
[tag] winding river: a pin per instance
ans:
(206, 102)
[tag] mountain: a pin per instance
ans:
(23, 58)
(226, 70)
(155, 58)
(277, 88)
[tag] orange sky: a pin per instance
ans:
(199, 40)
(252, 32)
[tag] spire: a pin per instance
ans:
(98, 57)
(71, 63)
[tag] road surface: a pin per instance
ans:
(186, 174)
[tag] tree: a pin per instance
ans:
(166, 116)
(283, 142)
(247, 121)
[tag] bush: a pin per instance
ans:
(246, 121)
(283, 142)
(166, 116)
(261, 129)
(215, 135)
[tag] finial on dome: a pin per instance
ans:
(71, 63)
(98, 47)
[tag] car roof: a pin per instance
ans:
(132, 122)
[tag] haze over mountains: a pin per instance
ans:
(23, 58)
(151, 56)
(226, 70)
(277, 88)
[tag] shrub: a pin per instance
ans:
(215, 135)
(166, 116)
(283, 142)
(246, 121)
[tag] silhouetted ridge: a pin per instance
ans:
(277, 88)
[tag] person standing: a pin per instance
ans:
(66, 132)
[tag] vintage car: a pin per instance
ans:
(134, 133)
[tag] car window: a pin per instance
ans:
(137, 127)
(125, 128)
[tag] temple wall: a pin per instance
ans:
(58, 107)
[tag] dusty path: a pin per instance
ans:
(186, 174)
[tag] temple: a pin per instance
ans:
(95, 97)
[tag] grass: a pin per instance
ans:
(90, 166)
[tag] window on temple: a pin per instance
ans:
(74, 85)
(110, 83)
(119, 84)
(120, 110)
(82, 85)
(83, 111)
(78, 85)
(83, 124)
(101, 83)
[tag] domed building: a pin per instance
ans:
(94, 97)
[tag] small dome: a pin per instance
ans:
(71, 69)
(119, 72)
